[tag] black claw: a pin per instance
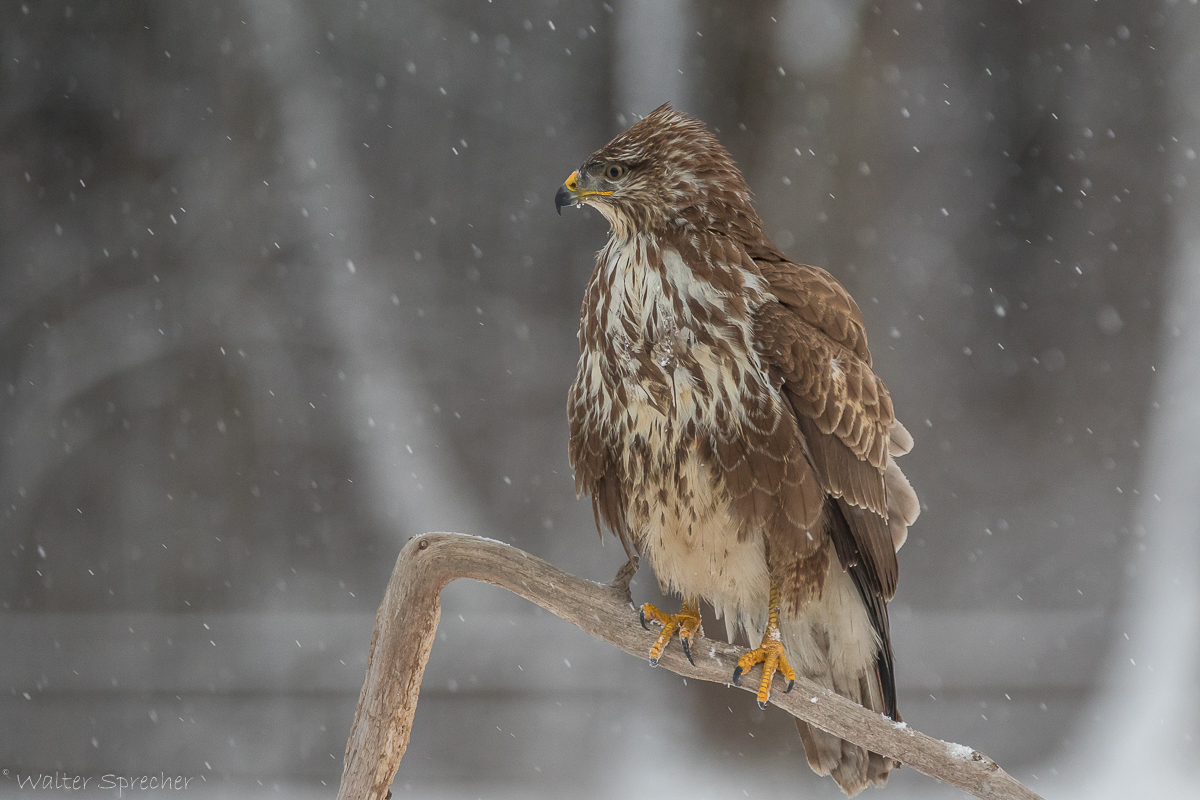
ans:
(737, 674)
(654, 662)
(642, 617)
(687, 649)
(791, 683)
(762, 705)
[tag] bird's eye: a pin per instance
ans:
(614, 172)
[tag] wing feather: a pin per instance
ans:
(816, 297)
(853, 561)
(845, 418)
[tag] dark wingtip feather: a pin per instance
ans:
(867, 583)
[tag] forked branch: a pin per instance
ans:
(407, 620)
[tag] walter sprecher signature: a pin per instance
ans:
(65, 781)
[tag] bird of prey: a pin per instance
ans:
(728, 427)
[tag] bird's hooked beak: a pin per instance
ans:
(570, 193)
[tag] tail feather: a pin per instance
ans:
(851, 772)
(878, 769)
(822, 749)
(825, 642)
(852, 767)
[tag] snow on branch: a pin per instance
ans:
(407, 620)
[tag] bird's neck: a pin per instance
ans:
(646, 281)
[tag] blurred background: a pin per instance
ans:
(282, 286)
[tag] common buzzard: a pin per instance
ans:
(728, 427)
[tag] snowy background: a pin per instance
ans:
(282, 285)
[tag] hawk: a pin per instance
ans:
(728, 427)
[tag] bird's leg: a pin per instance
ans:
(769, 654)
(687, 622)
(624, 576)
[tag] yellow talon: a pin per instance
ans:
(686, 622)
(770, 654)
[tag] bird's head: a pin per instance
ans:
(666, 173)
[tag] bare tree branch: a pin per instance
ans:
(407, 620)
